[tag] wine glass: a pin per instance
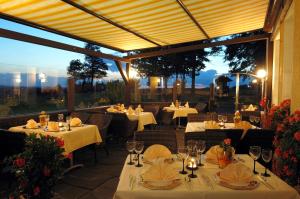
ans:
(255, 152)
(130, 145)
(257, 120)
(266, 155)
(60, 118)
(251, 119)
(224, 119)
(47, 119)
(182, 153)
(139, 146)
(200, 149)
(68, 121)
(192, 146)
(220, 118)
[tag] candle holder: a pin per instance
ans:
(192, 165)
(192, 175)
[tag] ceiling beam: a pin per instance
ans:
(54, 44)
(199, 46)
(273, 12)
(78, 6)
(192, 18)
(48, 29)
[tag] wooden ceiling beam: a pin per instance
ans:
(78, 6)
(54, 44)
(186, 10)
(120, 68)
(199, 46)
(48, 29)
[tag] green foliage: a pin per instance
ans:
(38, 168)
(115, 91)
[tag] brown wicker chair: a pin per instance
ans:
(83, 116)
(152, 108)
(201, 107)
(163, 137)
(102, 121)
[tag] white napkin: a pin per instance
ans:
(139, 109)
(130, 111)
(111, 109)
(172, 105)
(75, 122)
(157, 151)
(236, 173)
(187, 105)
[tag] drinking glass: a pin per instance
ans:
(47, 119)
(251, 119)
(192, 146)
(257, 120)
(220, 118)
(255, 152)
(139, 146)
(182, 153)
(200, 149)
(68, 121)
(266, 155)
(60, 117)
(224, 118)
(130, 146)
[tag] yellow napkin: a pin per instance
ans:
(122, 107)
(139, 109)
(187, 105)
(251, 108)
(75, 122)
(53, 126)
(212, 154)
(172, 105)
(211, 125)
(236, 173)
(111, 109)
(160, 172)
(130, 111)
(157, 151)
(31, 124)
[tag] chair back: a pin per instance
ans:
(215, 137)
(120, 125)
(257, 137)
(102, 121)
(201, 107)
(151, 108)
(163, 137)
(11, 143)
(194, 136)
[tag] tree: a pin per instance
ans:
(246, 57)
(93, 67)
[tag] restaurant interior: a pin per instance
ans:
(167, 136)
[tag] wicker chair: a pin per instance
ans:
(163, 137)
(194, 136)
(197, 117)
(201, 107)
(83, 116)
(152, 108)
(257, 137)
(166, 117)
(102, 121)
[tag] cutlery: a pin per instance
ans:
(264, 181)
(207, 181)
(187, 181)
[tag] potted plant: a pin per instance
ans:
(38, 168)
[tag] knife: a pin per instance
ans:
(263, 181)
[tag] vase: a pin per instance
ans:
(224, 158)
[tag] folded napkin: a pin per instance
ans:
(139, 109)
(251, 108)
(157, 151)
(122, 107)
(161, 173)
(236, 173)
(75, 122)
(111, 109)
(53, 126)
(211, 155)
(187, 105)
(172, 105)
(211, 125)
(31, 124)
(130, 111)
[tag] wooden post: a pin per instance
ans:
(269, 69)
(128, 85)
(237, 91)
(71, 94)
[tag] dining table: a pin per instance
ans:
(204, 186)
(143, 118)
(181, 111)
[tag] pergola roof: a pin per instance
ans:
(136, 24)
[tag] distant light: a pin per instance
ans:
(42, 76)
(18, 80)
(261, 73)
(133, 73)
(249, 86)
(178, 84)
(218, 87)
(254, 81)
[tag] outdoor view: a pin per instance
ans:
(36, 77)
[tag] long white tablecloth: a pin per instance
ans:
(143, 118)
(75, 139)
(180, 112)
(198, 189)
(200, 127)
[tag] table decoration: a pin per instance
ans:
(212, 154)
(255, 152)
(139, 146)
(225, 156)
(130, 145)
(200, 147)
(237, 117)
(52, 127)
(187, 105)
(156, 151)
(192, 165)
(42, 118)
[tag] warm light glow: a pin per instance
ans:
(261, 73)
(254, 81)
(218, 87)
(133, 74)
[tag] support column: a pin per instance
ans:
(128, 85)
(269, 69)
(71, 94)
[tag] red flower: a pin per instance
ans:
(263, 102)
(280, 128)
(285, 155)
(59, 142)
(278, 152)
(46, 171)
(19, 162)
(36, 191)
(227, 141)
(70, 156)
(294, 159)
(297, 136)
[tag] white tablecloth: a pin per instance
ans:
(198, 189)
(75, 139)
(180, 112)
(143, 118)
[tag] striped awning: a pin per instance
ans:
(137, 24)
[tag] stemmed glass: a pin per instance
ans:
(251, 119)
(47, 119)
(139, 146)
(68, 121)
(130, 146)
(60, 118)
(183, 154)
(220, 118)
(255, 152)
(266, 155)
(257, 120)
(224, 119)
(200, 149)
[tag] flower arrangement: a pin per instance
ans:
(226, 156)
(286, 141)
(38, 168)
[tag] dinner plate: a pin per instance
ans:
(252, 184)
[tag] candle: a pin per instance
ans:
(192, 163)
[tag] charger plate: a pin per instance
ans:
(252, 184)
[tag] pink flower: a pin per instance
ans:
(285, 155)
(227, 141)
(69, 156)
(297, 136)
(36, 191)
